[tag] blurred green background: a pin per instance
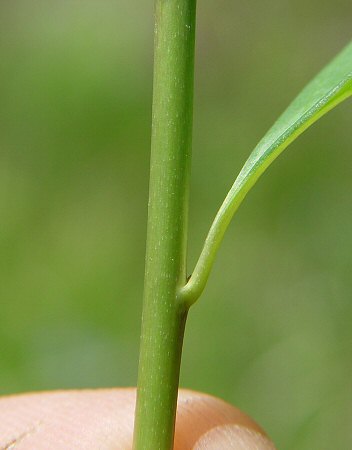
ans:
(272, 333)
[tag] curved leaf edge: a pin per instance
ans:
(257, 163)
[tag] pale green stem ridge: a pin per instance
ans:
(248, 176)
(164, 317)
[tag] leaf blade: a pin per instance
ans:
(329, 88)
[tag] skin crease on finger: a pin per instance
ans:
(103, 419)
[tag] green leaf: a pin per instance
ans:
(329, 88)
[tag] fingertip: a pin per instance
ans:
(233, 437)
(205, 422)
(104, 419)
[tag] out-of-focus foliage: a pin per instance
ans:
(75, 91)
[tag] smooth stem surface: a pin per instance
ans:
(163, 316)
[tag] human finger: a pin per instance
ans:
(103, 419)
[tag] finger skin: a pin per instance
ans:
(199, 413)
(235, 437)
(103, 419)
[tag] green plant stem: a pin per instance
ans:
(164, 316)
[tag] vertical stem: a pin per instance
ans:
(164, 318)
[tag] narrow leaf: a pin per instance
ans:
(329, 88)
